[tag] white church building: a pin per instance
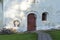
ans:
(32, 15)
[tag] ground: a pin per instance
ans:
(25, 36)
(55, 34)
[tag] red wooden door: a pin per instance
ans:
(31, 22)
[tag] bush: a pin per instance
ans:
(6, 31)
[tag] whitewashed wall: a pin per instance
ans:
(1, 16)
(12, 11)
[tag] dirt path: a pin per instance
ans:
(43, 36)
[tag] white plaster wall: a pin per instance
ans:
(50, 6)
(1, 16)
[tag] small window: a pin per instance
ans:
(33, 1)
(44, 16)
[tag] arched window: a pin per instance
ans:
(33, 1)
(44, 16)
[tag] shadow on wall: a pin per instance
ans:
(0, 0)
(1, 14)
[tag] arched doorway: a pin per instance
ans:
(31, 22)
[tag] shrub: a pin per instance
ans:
(6, 31)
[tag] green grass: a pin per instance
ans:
(26, 36)
(55, 34)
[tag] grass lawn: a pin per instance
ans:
(55, 34)
(24, 36)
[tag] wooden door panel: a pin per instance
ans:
(31, 22)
